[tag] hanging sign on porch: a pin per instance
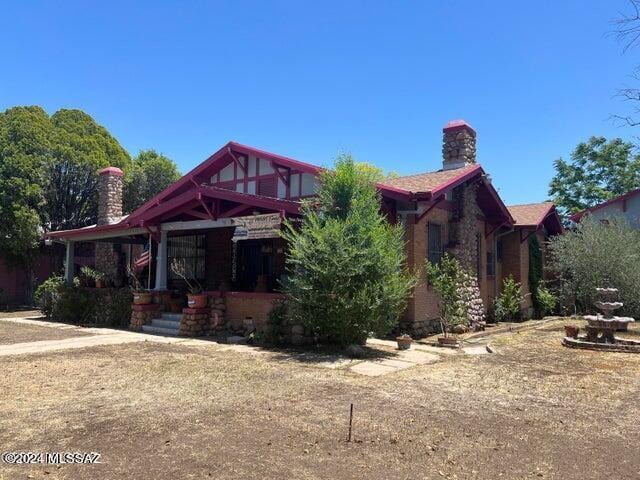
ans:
(257, 226)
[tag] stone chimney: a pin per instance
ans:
(458, 145)
(110, 195)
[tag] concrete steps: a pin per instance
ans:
(167, 324)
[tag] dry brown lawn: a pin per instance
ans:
(533, 410)
(12, 332)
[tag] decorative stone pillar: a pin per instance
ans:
(195, 322)
(109, 211)
(142, 315)
(458, 145)
(217, 319)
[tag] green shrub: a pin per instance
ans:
(48, 293)
(346, 262)
(509, 302)
(546, 300)
(536, 274)
(448, 279)
(597, 254)
(276, 331)
(60, 303)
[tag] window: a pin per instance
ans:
(434, 245)
(191, 249)
(491, 265)
(499, 250)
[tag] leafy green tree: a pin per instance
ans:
(448, 279)
(598, 170)
(150, 173)
(346, 263)
(25, 146)
(593, 255)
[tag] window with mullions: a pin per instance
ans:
(435, 248)
(190, 249)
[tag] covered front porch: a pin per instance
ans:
(228, 242)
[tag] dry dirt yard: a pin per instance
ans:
(534, 409)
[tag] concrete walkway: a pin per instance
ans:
(391, 360)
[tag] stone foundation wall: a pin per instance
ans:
(217, 315)
(195, 322)
(142, 315)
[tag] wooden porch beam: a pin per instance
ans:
(235, 210)
(238, 162)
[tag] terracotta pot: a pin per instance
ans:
(571, 331)
(142, 298)
(448, 342)
(100, 283)
(404, 343)
(196, 301)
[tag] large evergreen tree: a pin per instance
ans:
(346, 262)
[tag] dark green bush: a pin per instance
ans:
(104, 307)
(48, 293)
(346, 263)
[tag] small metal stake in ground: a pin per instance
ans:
(350, 422)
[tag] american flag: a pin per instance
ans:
(142, 260)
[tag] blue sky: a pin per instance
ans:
(309, 79)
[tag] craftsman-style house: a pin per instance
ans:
(223, 219)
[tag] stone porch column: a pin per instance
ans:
(68, 266)
(161, 263)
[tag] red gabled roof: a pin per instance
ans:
(535, 215)
(431, 185)
(621, 198)
(199, 174)
(429, 181)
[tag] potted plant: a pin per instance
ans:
(195, 297)
(571, 331)
(141, 296)
(100, 280)
(448, 279)
(87, 277)
(404, 341)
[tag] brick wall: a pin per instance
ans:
(421, 315)
(250, 304)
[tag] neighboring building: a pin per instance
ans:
(223, 218)
(626, 206)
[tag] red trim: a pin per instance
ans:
(458, 125)
(113, 171)
(454, 182)
(576, 217)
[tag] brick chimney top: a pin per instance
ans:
(111, 171)
(110, 183)
(458, 125)
(458, 145)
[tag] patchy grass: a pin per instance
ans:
(534, 409)
(14, 332)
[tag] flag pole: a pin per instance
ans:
(149, 268)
